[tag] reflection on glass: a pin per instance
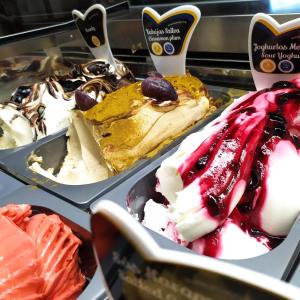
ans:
(284, 5)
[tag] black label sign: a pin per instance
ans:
(168, 36)
(129, 274)
(91, 28)
(274, 52)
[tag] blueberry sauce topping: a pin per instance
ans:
(200, 164)
(159, 89)
(238, 152)
(214, 205)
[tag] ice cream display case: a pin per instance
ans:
(210, 101)
(104, 107)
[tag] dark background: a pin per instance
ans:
(22, 15)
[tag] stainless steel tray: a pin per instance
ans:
(53, 150)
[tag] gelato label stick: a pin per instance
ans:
(168, 37)
(93, 28)
(134, 267)
(274, 50)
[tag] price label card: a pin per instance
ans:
(134, 267)
(274, 50)
(93, 28)
(168, 37)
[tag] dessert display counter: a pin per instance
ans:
(55, 64)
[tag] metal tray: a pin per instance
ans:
(76, 219)
(53, 150)
(8, 184)
(134, 192)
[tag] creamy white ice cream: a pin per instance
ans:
(15, 129)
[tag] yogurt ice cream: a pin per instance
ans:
(131, 123)
(231, 189)
(39, 256)
(36, 111)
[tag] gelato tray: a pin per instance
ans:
(53, 150)
(31, 203)
(229, 190)
(8, 184)
(133, 194)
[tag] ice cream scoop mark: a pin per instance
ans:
(283, 84)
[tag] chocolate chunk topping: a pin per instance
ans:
(21, 93)
(69, 85)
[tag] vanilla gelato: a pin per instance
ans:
(234, 184)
